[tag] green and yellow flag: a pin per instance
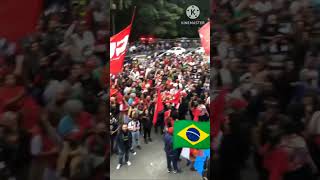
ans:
(191, 134)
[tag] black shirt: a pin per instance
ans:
(125, 139)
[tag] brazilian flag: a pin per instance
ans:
(191, 134)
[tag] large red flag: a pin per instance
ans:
(204, 33)
(19, 18)
(159, 107)
(176, 99)
(217, 112)
(118, 47)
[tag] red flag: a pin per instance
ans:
(204, 33)
(159, 107)
(176, 99)
(113, 92)
(118, 47)
(19, 18)
(217, 108)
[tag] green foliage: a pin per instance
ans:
(161, 18)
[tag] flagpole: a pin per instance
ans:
(133, 15)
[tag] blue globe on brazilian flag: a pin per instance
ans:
(191, 134)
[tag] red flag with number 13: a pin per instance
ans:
(118, 47)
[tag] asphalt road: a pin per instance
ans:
(150, 164)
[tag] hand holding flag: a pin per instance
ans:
(118, 48)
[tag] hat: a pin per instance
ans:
(170, 130)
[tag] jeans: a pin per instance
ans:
(174, 161)
(124, 154)
(135, 139)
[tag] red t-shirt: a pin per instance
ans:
(196, 113)
(276, 161)
(136, 101)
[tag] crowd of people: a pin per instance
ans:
(183, 84)
(266, 75)
(53, 95)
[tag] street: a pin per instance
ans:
(150, 163)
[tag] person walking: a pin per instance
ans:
(171, 154)
(124, 142)
(147, 124)
(134, 128)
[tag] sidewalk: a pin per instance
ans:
(150, 164)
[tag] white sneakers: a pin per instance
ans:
(134, 153)
(119, 165)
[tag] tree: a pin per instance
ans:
(161, 18)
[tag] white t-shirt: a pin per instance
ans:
(134, 126)
(127, 90)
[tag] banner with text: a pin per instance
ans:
(118, 47)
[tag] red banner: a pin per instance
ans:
(159, 107)
(204, 33)
(19, 18)
(217, 107)
(118, 47)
